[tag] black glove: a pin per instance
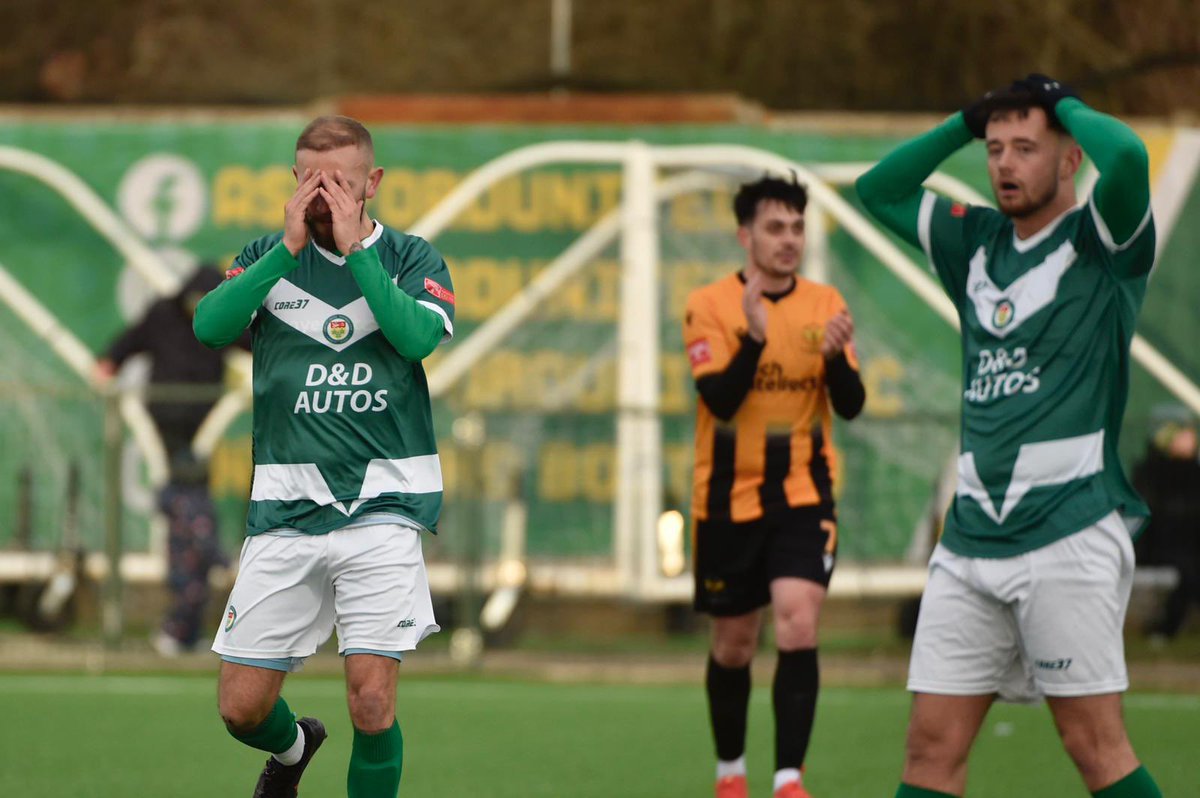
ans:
(976, 115)
(1046, 90)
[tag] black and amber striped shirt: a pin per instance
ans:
(764, 420)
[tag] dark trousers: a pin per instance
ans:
(193, 549)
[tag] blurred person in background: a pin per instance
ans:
(1027, 590)
(178, 360)
(1168, 476)
(346, 474)
(772, 358)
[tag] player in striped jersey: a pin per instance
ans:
(1028, 587)
(770, 352)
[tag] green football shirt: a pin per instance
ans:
(1046, 328)
(343, 429)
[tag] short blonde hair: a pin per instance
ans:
(334, 132)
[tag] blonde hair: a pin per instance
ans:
(334, 132)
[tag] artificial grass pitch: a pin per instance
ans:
(110, 736)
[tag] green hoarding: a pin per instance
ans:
(200, 190)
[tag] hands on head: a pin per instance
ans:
(345, 211)
(1042, 90)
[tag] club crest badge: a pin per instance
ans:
(1003, 315)
(230, 618)
(338, 329)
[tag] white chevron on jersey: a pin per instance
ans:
(304, 481)
(1029, 293)
(310, 319)
(1038, 465)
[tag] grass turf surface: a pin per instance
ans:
(109, 736)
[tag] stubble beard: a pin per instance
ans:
(322, 231)
(771, 268)
(323, 236)
(1025, 209)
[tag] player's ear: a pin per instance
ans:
(743, 234)
(296, 172)
(1072, 158)
(373, 178)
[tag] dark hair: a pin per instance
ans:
(789, 192)
(334, 132)
(1018, 101)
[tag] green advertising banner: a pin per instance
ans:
(197, 191)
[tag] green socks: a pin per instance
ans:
(276, 734)
(907, 791)
(1138, 784)
(375, 764)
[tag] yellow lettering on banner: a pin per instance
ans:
(566, 471)
(881, 379)
(448, 459)
(677, 457)
(568, 199)
(244, 198)
(557, 472)
(608, 192)
(598, 472)
(544, 380)
(396, 202)
(231, 468)
(499, 467)
(570, 473)
(685, 276)
(484, 214)
(547, 380)
(484, 285)
(277, 184)
(702, 212)
(593, 295)
(543, 201)
(233, 197)
(405, 195)
(676, 396)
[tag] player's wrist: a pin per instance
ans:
(294, 246)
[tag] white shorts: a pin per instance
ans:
(292, 590)
(1044, 623)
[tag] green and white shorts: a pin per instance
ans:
(292, 591)
(1044, 623)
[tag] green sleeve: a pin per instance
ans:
(229, 308)
(892, 191)
(1122, 194)
(414, 331)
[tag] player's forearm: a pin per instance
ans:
(725, 391)
(891, 190)
(412, 329)
(1122, 194)
(845, 386)
(227, 310)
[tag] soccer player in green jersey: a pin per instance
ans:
(1028, 587)
(346, 475)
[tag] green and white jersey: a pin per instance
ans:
(342, 422)
(1046, 328)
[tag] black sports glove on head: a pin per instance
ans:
(976, 115)
(1043, 90)
(1046, 90)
